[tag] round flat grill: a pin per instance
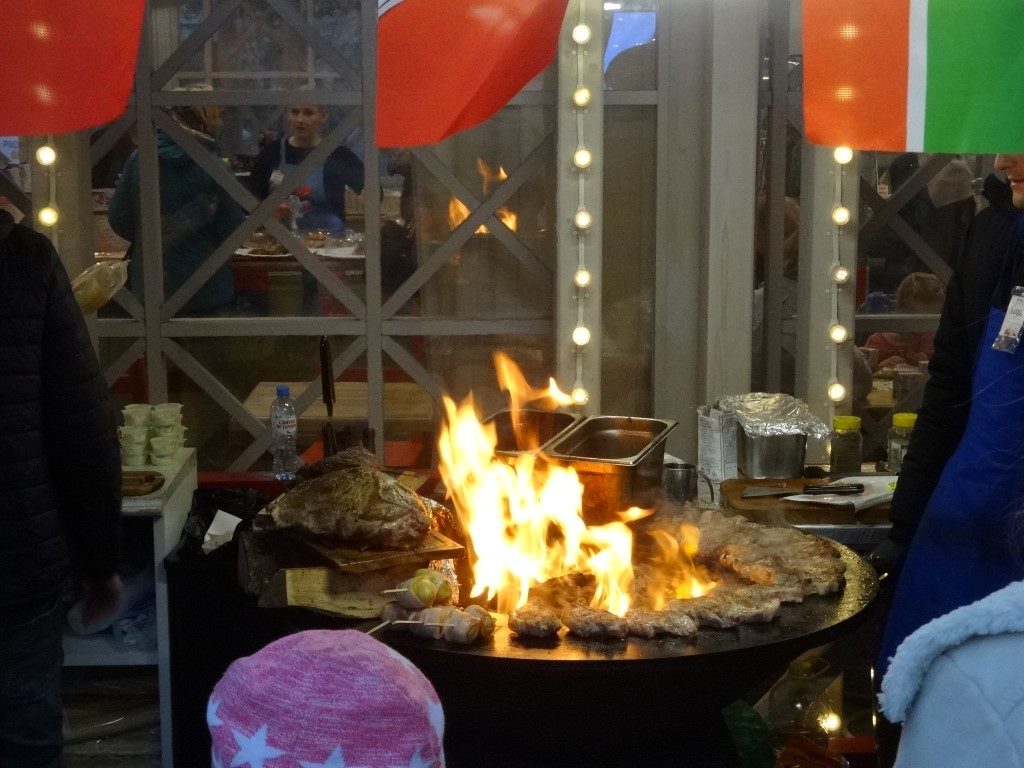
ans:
(616, 702)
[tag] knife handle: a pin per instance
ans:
(850, 489)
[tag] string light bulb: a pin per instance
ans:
(836, 392)
(581, 34)
(840, 274)
(582, 219)
(581, 96)
(48, 216)
(841, 215)
(582, 158)
(46, 155)
(843, 155)
(581, 335)
(582, 278)
(838, 333)
(580, 396)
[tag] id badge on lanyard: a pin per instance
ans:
(1013, 324)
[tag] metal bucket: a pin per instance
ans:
(618, 459)
(764, 457)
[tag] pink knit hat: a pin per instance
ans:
(325, 699)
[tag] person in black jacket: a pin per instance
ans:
(981, 269)
(60, 488)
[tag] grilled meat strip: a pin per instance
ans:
(584, 621)
(646, 623)
(725, 610)
(534, 620)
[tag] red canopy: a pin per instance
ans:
(67, 64)
(447, 65)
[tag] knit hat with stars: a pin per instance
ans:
(325, 699)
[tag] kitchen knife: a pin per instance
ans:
(330, 438)
(846, 489)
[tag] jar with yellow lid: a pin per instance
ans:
(847, 445)
(899, 438)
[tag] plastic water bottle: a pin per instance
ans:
(284, 426)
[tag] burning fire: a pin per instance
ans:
(458, 212)
(524, 518)
(673, 572)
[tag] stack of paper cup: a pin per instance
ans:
(133, 439)
(166, 433)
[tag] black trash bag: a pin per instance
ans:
(240, 502)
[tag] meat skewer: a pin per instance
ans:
(391, 613)
(487, 622)
(584, 621)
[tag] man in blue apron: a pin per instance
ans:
(969, 541)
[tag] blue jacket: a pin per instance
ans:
(957, 684)
(196, 216)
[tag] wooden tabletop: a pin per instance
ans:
(403, 402)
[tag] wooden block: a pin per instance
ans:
(354, 596)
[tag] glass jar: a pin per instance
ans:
(898, 439)
(847, 445)
(794, 703)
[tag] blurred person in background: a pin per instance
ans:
(60, 503)
(919, 292)
(322, 195)
(196, 215)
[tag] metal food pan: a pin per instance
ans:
(538, 428)
(618, 459)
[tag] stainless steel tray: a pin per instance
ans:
(539, 428)
(619, 460)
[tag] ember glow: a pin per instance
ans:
(524, 517)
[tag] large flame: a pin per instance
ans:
(524, 517)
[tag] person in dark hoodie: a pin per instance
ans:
(196, 215)
(961, 478)
(60, 488)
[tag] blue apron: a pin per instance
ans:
(970, 541)
(315, 211)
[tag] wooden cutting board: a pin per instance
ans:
(773, 508)
(141, 483)
(434, 547)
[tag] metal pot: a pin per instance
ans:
(764, 457)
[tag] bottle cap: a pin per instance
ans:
(283, 390)
(844, 423)
(904, 420)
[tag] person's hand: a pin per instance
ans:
(283, 212)
(101, 596)
(887, 557)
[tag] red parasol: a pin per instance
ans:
(67, 65)
(447, 65)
